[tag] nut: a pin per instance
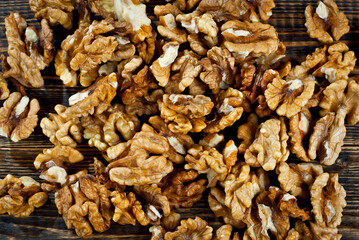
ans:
(246, 132)
(146, 105)
(18, 117)
(326, 16)
(84, 198)
(195, 23)
(4, 91)
(328, 200)
(224, 232)
(191, 229)
(24, 195)
(185, 113)
(270, 145)
(212, 140)
(296, 178)
(56, 12)
(180, 188)
(94, 99)
(228, 110)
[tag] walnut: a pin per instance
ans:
(288, 97)
(244, 10)
(184, 4)
(292, 235)
(224, 232)
(128, 209)
(196, 23)
(18, 117)
(179, 143)
(186, 67)
(157, 204)
(319, 232)
(326, 16)
(102, 176)
(158, 232)
(180, 188)
(141, 160)
(270, 145)
(56, 12)
(91, 45)
(86, 197)
(341, 95)
(191, 229)
(102, 130)
(246, 39)
(212, 140)
(328, 200)
(219, 69)
(241, 186)
(327, 138)
(4, 91)
(246, 132)
(54, 163)
(287, 203)
(171, 222)
(146, 105)
(24, 195)
(162, 66)
(185, 113)
(216, 201)
(29, 51)
(94, 99)
(296, 178)
(168, 27)
(228, 110)
(60, 131)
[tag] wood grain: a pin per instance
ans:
(17, 158)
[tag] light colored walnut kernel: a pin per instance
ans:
(288, 97)
(191, 229)
(296, 178)
(54, 162)
(246, 132)
(158, 232)
(225, 232)
(326, 16)
(18, 117)
(185, 113)
(60, 131)
(4, 91)
(270, 145)
(328, 200)
(24, 195)
(141, 160)
(228, 110)
(195, 23)
(246, 39)
(94, 99)
(84, 206)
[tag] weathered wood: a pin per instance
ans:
(17, 158)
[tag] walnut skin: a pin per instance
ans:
(18, 117)
(326, 16)
(196, 23)
(288, 97)
(4, 91)
(54, 163)
(246, 132)
(328, 200)
(24, 195)
(246, 39)
(84, 205)
(270, 146)
(141, 160)
(179, 191)
(185, 113)
(94, 99)
(191, 229)
(225, 232)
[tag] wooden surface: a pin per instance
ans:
(17, 158)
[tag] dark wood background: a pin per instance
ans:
(17, 158)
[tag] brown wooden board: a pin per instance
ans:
(17, 158)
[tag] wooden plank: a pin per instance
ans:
(17, 158)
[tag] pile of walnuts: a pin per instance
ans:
(161, 100)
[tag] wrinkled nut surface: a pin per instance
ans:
(18, 117)
(225, 232)
(185, 113)
(24, 195)
(54, 162)
(94, 99)
(191, 229)
(196, 23)
(4, 91)
(247, 132)
(142, 160)
(84, 206)
(244, 39)
(269, 148)
(288, 97)
(55, 11)
(328, 200)
(324, 18)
